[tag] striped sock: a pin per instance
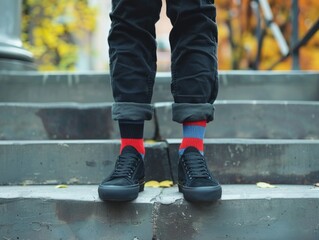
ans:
(193, 135)
(132, 135)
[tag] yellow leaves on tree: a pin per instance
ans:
(238, 23)
(51, 28)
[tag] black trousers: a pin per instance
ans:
(132, 51)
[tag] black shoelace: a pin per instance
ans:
(125, 165)
(195, 166)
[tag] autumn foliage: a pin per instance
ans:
(52, 28)
(237, 35)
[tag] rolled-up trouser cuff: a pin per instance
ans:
(132, 111)
(189, 112)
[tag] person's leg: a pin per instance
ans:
(194, 87)
(132, 50)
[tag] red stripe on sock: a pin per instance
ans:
(196, 123)
(138, 144)
(192, 142)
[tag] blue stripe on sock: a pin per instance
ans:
(194, 132)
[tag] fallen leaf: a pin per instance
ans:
(61, 186)
(166, 184)
(265, 185)
(154, 184)
(150, 141)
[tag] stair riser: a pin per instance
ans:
(71, 163)
(240, 119)
(61, 121)
(251, 161)
(89, 87)
(264, 219)
(88, 162)
(248, 119)
(49, 219)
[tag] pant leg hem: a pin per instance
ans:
(189, 112)
(132, 111)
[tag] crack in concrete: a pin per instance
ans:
(157, 197)
(163, 198)
(158, 201)
(155, 216)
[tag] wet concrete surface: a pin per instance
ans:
(244, 212)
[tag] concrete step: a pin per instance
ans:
(89, 161)
(245, 212)
(254, 160)
(233, 119)
(71, 162)
(251, 119)
(95, 87)
(43, 121)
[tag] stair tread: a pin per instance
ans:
(162, 195)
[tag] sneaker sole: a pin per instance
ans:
(201, 194)
(119, 193)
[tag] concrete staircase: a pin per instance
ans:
(57, 129)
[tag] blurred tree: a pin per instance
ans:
(238, 26)
(50, 29)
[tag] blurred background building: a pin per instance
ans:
(72, 34)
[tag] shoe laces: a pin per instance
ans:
(125, 165)
(195, 166)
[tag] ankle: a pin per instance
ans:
(138, 144)
(193, 136)
(132, 135)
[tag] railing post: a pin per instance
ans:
(294, 34)
(12, 55)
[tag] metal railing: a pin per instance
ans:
(295, 43)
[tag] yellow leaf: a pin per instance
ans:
(154, 184)
(166, 184)
(150, 141)
(61, 186)
(265, 185)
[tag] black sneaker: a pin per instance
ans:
(127, 178)
(194, 179)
